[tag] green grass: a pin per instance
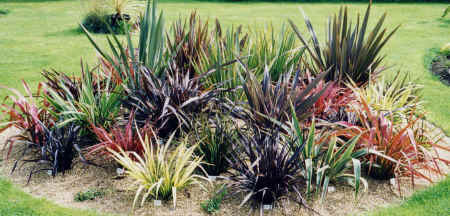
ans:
(39, 34)
(14, 202)
(432, 201)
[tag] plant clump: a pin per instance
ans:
(111, 16)
(440, 65)
(90, 194)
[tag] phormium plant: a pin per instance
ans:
(350, 51)
(27, 113)
(55, 152)
(266, 168)
(268, 104)
(215, 138)
(160, 172)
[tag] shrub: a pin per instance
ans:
(440, 64)
(102, 23)
(267, 168)
(90, 194)
(348, 52)
(128, 10)
(160, 173)
(215, 139)
(4, 12)
(213, 205)
(111, 16)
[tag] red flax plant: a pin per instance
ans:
(333, 105)
(395, 150)
(26, 114)
(125, 138)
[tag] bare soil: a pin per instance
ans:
(119, 194)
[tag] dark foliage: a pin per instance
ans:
(61, 83)
(440, 66)
(169, 102)
(268, 104)
(267, 168)
(53, 152)
(4, 12)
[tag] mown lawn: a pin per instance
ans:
(39, 34)
(14, 202)
(432, 201)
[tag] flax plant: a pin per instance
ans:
(160, 172)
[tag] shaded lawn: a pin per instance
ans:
(14, 202)
(38, 34)
(433, 201)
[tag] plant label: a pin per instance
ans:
(49, 172)
(120, 171)
(331, 189)
(157, 202)
(393, 182)
(212, 178)
(267, 207)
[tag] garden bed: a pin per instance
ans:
(118, 199)
(315, 122)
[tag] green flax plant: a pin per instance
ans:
(215, 137)
(126, 61)
(328, 159)
(94, 100)
(226, 46)
(279, 52)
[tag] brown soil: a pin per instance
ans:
(119, 196)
